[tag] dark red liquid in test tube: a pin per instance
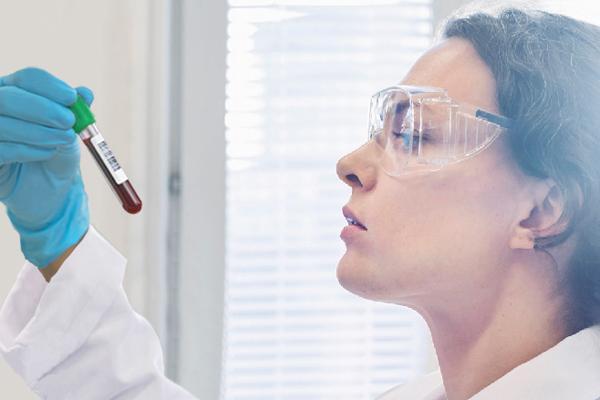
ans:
(125, 192)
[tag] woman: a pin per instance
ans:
(499, 252)
(473, 202)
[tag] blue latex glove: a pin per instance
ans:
(40, 179)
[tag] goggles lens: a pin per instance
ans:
(422, 129)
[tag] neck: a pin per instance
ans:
(494, 329)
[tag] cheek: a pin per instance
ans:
(442, 233)
(426, 237)
(402, 249)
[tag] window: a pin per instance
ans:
(299, 77)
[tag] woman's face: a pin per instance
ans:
(442, 235)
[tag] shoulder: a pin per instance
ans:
(421, 388)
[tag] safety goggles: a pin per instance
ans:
(421, 129)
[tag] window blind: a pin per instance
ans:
(299, 78)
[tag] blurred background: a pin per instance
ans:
(228, 118)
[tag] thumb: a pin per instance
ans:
(86, 93)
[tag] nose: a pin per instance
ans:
(358, 169)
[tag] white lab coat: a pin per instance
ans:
(78, 338)
(568, 371)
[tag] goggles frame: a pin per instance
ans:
(424, 109)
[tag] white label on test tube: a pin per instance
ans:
(108, 158)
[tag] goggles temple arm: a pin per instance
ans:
(495, 119)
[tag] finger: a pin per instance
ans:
(17, 152)
(40, 82)
(20, 104)
(18, 131)
(86, 93)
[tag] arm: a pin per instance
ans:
(52, 268)
(70, 331)
(77, 337)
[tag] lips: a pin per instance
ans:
(352, 218)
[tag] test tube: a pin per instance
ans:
(85, 127)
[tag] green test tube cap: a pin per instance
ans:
(83, 115)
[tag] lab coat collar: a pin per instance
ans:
(568, 370)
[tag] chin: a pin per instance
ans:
(356, 276)
(362, 277)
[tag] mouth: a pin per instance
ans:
(352, 218)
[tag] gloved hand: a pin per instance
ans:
(40, 179)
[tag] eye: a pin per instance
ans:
(405, 137)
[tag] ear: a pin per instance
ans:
(541, 209)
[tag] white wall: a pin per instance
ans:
(105, 45)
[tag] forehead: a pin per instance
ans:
(455, 66)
